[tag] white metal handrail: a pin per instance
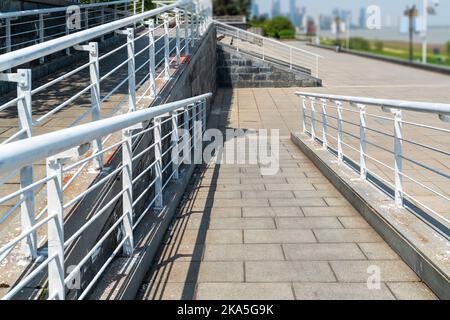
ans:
(25, 28)
(138, 67)
(24, 55)
(60, 146)
(162, 47)
(24, 152)
(328, 112)
(24, 13)
(268, 48)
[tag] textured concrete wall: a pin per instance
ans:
(242, 70)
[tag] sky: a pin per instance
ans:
(392, 8)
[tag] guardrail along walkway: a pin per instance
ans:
(241, 235)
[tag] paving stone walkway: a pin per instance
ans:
(241, 235)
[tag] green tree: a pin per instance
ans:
(231, 7)
(277, 25)
(448, 47)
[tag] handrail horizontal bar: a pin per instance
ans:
(14, 14)
(438, 108)
(25, 152)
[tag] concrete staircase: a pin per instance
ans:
(244, 70)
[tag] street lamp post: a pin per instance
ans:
(427, 9)
(411, 13)
(424, 31)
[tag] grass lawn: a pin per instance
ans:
(400, 50)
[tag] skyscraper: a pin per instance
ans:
(362, 18)
(293, 12)
(276, 8)
(255, 9)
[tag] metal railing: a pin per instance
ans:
(269, 49)
(123, 79)
(25, 28)
(146, 59)
(63, 153)
(397, 153)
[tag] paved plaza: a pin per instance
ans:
(241, 235)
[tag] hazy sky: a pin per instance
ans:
(393, 8)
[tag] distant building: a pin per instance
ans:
(302, 19)
(311, 26)
(293, 12)
(276, 8)
(344, 15)
(255, 10)
(325, 22)
(362, 18)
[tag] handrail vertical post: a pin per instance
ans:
(115, 12)
(134, 11)
(94, 70)
(186, 133)
(174, 139)
(204, 115)
(151, 48)
(177, 36)
(102, 21)
(68, 32)
(193, 41)
(186, 33)
(204, 23)
(143, 6)
(131, 70)
(317, 67)
(24, 110)
(166, 47)
(290, 58)
(127, 186)
(324, 124)
(398, 145)
(313, 119)
(41, 34)
(8, 40)
(304, 114)
(158, 162)
(362, 141)
(86, 18)
(263, 50)
(197, 23)
(340, 131)
(197, 128)
(55, 227)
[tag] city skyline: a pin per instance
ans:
(390, 11)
